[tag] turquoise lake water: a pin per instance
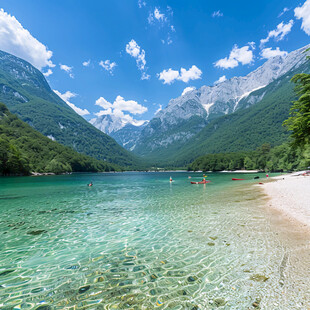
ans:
(137, 241)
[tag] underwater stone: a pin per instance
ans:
(152, 292)
(219, 302)
(192, 279)
(36, 232)
(4, 273)
(44, 307)
(259, 278)
(83, 289)
(74, 267)
(211, 243)
(138, 268)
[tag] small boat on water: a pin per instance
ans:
(202, 182)
(234, 179)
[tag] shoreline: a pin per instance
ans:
(290, 195)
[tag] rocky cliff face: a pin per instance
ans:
(209, 102)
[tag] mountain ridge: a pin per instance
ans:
(25, 91)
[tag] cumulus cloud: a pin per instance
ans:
(86, 63)
(67, 69)
(217, 14)
(269, 53)
(121, 104)
(243, 55)
(17, 40)
(188, 89)
(279, 33)
(66, 97)
(118, 107)
(169, 76)
(284, 11)
(303, 13)
(220, 80)
(108, 65)
(135, 51)
(48, 73)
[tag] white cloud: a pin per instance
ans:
(303, 13)
(169, 76)
(86, 63)
(159, 109)
(279, 33)
(66, 97)
(16, 40)
(284, 11)
(118, 107)
(187, 89)
(220, 80)
(217, 14)
(121, 104)
(145, 76)
(172, 28)
(269, 53)
(159, 16)
(156, 16)
(108, 65)
(243, 55)
(48, 73)
(141, 3)
(134, 50)
(67, 69)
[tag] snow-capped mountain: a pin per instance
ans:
(125, 132)
(209, 102)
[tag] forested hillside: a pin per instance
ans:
(23, 149)
(24, 90)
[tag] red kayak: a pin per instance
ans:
(234, 179)
(202, 182)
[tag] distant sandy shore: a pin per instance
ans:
(290, 194)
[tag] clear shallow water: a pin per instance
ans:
(135, 241)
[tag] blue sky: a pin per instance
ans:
(137, 42)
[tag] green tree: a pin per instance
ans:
(299, 121)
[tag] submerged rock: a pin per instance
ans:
(44, 307)
(192, 278)
(4, 273)
(219, 302)
(36, 232)
(83, 289)
(259, 278)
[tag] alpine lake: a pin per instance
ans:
(138, 241)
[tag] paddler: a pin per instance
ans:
(170, 179)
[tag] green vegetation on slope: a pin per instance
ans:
(24, 90)
(299, 122)
(279, 158)
(23, 149)
(245, 130)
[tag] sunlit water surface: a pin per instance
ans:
(137, 241)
